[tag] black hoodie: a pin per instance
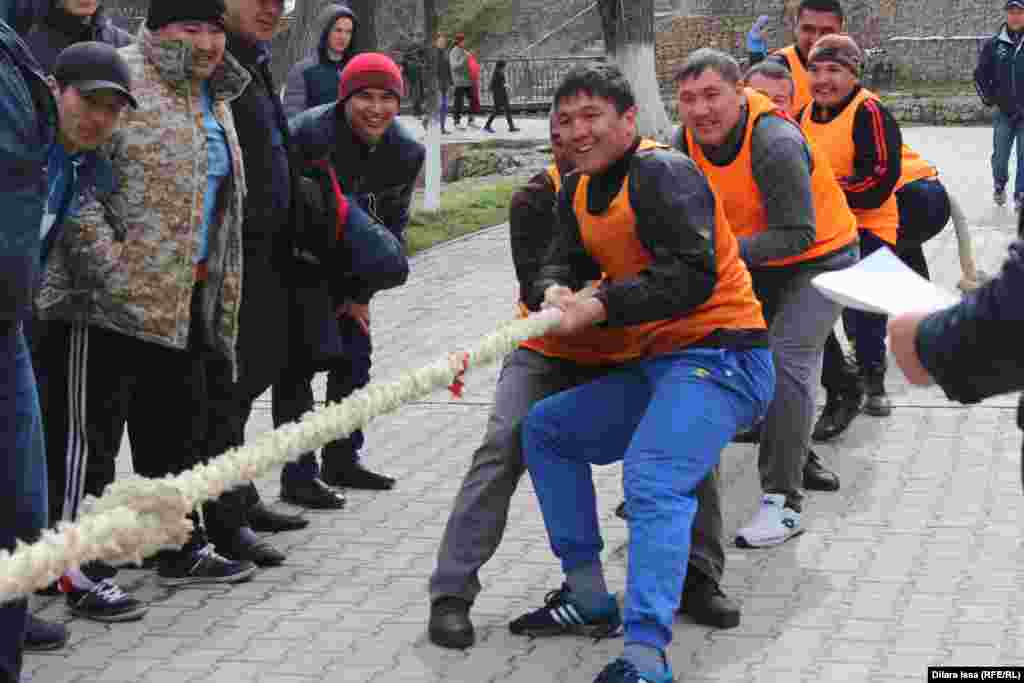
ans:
(59, 30)
(314, 80)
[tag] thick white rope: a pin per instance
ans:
(136, 517)
(972, 277)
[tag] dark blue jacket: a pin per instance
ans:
(314, 80)
(28, 119)
(974, 350)
(60, 30)
(22, 15)
(999, 76)
(379, 183)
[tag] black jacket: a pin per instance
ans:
(999, 76)
(974, 350)
(270, 221)
(60, 30)
(379, 182)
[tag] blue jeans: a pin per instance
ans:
(1006, 131)
(667, 418)
(23, 487)
(866, 330)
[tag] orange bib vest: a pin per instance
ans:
(914, 168)
(589, 347)
(744, 207)
(835, 138)
(801, 81)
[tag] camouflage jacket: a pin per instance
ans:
(125, 259)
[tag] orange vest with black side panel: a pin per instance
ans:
(801, 81)
(835, 138)
(836, 226)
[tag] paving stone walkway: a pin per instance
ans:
(916, 561)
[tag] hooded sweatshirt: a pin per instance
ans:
(314, 81)
(59, 30)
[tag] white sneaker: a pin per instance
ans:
(773, 524)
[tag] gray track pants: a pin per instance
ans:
(480, 512)
(800, 318)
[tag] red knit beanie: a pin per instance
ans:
(370, 70)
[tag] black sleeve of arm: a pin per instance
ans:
(531, 228)
(782, 169)
(675, 211)
(983, 74)
(566, 261)
(877, 162)
(973, 349)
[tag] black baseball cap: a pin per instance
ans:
(1015, 4)
(92, 66)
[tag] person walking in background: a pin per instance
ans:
(499, 96)
(444, 78)
(1000, 67)
(757, 47)
(462, 79)
(314, 80)
(68, 22)
(412, 72)
(474, 93)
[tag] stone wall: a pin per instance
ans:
(935, 59)
(686, 34)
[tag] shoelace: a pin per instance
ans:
(208, 552)
(109, 591)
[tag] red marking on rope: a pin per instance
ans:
(457, 384)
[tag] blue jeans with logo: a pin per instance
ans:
(1005, 132)
(23, 484)
(667, 418)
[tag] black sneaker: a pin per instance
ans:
(561, 616)
(202, 566)
(41, 636)
(840, 411)
(704, 600)
(105, 602)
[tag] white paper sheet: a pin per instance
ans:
(881, 283)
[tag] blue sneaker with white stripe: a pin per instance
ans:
(561, 616)
(623, 671)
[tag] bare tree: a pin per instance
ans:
(628, 27)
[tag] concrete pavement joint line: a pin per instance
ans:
(137, 517)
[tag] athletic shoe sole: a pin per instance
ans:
(766, 543)
(598, 631)
(190, 580)
(111, 618)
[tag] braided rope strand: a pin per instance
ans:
(136, 516)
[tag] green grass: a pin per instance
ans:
(463, 210)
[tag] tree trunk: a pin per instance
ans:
(432, 172)
(628, 27)
(366, 36)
